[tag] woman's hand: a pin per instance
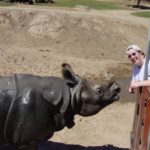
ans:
(131, 89)
(135, 84)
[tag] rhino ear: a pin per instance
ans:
(69, 75)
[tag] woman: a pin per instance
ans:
(137, 57)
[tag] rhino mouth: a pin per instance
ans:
(115, 96)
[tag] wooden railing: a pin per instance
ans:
(140, 135)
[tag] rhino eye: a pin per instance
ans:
(99, 91)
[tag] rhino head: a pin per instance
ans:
(86, 98)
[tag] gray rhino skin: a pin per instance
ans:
(32, 108)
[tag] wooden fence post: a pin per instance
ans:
(140, 135)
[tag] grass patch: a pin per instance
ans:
(145, 14)
(3, 3)
(92, 4)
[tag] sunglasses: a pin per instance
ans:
(133, 54)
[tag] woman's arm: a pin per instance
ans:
(135, 84)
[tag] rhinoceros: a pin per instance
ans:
(32, 107)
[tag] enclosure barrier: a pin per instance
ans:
(140, 134)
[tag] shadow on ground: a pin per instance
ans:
(60, 146)
(139, 6)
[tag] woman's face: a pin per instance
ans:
(135, 57)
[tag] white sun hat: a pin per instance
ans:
(133, 47)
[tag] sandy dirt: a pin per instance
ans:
(38, 40)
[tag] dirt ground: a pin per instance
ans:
(38, 40)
